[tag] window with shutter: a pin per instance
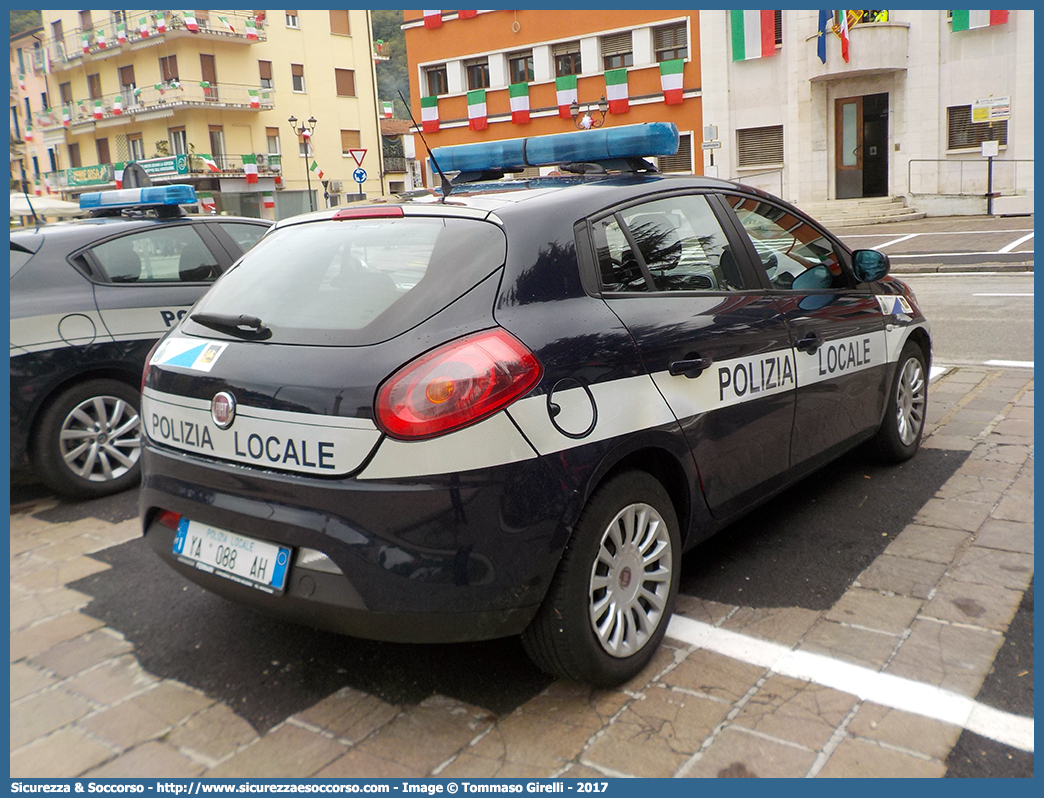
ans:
(264, 69)
(567, 58)
(760, 146)
(350, 140)
(345, 80)
(339, 23)
(962, 133)
(297, 75)
(671, 41)
(681, 161)
(616, 51)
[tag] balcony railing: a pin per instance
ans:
(172, 95)
(71, 47)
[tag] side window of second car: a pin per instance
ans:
(244, 233)
(162, 254)
(794, 254)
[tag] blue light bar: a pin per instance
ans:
(139, 197)
(628, 141)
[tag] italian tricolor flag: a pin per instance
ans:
(477, 110)
(268, 198)
(386, 110)
(967, 20)
(251, 29)
(121, 33)
(671, 80)
(255, 102)
(190, 21)
(161, 22)
(98, 109)
(100, 36)
(430, 114)
(223, 21)
(519, 95)
(206, 202)
(117, 105)
(315, 168)
(466, 14)
(250, 168)
(28, 132)
(117, 173)
(565, 88)
(211, 164)
(753, 34)
(143, 27)
(66, 116)
(86, 42)
(616, 91)
(432, 19)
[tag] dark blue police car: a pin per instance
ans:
(510, 406)
(88, 300)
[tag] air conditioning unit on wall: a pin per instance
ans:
(335, 187)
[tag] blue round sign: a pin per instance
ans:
(359, 175)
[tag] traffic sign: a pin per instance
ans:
(991, 109)
(359, 176)
(358, 155)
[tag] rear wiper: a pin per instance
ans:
(242, 326)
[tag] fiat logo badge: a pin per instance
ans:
(223, 409)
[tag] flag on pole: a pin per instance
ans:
(315, 168)
(432, 19)
(843, 34)
(467, 14)
(518, 94)
(671, 80)
(616, 91)
(121, 33)
(143, 27)
(269, 199)
(206, 202)
(251, 29)
(824, 21)
(117, 173)
(565, 88)
(969, 20)
(210, 163)
(117, 105)
(100, 37)
(250, 167)
(477, 110)
(753, 34)
(98, 113)
(223, 21)
(161, 22)
(430, 114)
(190, 21)
(386, 110)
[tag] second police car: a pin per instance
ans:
(511, 409)
(89, 298)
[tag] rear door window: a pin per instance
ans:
(162, 254)
(359, 281)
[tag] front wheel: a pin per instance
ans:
(613, 594)
(88, 443)
(900, 434)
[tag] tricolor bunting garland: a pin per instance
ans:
(753, 34)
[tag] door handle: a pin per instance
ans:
(691, 367)
(810, 343)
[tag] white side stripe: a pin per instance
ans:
(866, 684)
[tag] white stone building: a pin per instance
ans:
(894, 120)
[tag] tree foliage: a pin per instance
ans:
(21, 21)
(393, 74)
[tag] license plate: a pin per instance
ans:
(237, 557)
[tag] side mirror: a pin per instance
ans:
(870, 265)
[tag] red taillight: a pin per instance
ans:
(168, 519)
(390, 212)
(145, 369)
(455, 385)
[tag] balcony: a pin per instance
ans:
(162, 101)
(395, 163)
(72, 48)
(875, 48)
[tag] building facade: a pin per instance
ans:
(28, 96)
(904, 115)
(204, 97)
(494, 75)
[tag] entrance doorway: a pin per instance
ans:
(861, 146)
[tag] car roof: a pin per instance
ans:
(77, 232)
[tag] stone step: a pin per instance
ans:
(859, 221)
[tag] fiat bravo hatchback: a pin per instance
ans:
(509, 406)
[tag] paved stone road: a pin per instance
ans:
(933, 608)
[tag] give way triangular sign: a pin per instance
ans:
(358, 155)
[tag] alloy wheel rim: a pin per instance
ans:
(100, 439)
(910, 402)
(630, 580)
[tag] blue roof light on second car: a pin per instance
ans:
(628, 141)
(177, 194)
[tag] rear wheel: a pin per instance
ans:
(900, 434)
(88, 443)
(613, 594)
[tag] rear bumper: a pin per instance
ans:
(440, 559)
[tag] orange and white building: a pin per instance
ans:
(469, 70)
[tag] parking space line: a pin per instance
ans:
(1015, 243)
(885, 689)
(948, 233)
(1010, 364)
(955, 254)
(1029, 295)
(897, 240)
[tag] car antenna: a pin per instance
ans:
(447, 187)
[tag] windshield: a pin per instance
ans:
(355, 282)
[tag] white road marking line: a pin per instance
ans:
(896, 692)
(954, 254)
(1029, 295)
(919, 275)
(897, 241)
(1015, 243)
(948, 233)
(937, 372)
(1011, 364)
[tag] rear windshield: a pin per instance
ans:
(356, 282)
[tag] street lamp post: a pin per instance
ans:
(587, 121)
(305, 127)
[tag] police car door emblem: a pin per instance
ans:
(223, 409)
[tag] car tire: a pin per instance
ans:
(598, 623)
(88, 442)
(900, 433)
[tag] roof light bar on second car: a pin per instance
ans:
(146, 196)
